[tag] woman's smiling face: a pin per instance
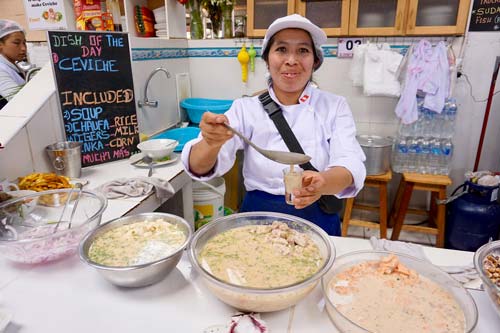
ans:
(291, 63)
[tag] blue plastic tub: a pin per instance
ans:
(182, 135)
(195, 107)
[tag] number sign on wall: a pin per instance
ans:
(346, 47)
(96, 93)
(485, 15)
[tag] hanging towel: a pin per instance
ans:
(357, 64)
(428, 71)
(379, 71)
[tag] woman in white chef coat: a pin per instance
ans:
(12, 49)
(321, 121)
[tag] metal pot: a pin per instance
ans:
(378, 153)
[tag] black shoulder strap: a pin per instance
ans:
(276, 115)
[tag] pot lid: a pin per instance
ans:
(374, 141)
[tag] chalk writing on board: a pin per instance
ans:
(95, 88)
(485, 15)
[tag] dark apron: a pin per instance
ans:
(256, 201)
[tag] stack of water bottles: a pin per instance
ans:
(425, 146)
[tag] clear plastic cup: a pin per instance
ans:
(293, 180)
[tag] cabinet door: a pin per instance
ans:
(377, 17)
(330, 15)
(437, 17)
(261, 13)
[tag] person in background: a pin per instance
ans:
(321, 121)
(12, 49)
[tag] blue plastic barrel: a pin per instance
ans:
(473, 218)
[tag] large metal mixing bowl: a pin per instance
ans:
(136, 275)
(258, 299)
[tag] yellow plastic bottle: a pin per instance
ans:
(244, 58)
(252, 54)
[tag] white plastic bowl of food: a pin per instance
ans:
(158, 148)
(342, 296)
(256, 299)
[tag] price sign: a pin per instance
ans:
(346, 46)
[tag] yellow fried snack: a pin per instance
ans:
(43, 182)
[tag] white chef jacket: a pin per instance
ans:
(322, 123)
(10, 78)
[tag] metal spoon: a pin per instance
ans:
(149, 161)
(284, 157)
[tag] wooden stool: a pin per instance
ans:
(379, 181)
(436, 184)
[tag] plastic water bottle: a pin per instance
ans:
(425, 149)
(428, 124)
(404, 130)
(434, 156)
(449, 119)
(412, 160)
(400, 155)
(447, 153)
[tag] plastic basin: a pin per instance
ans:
(183, 135)
(195, 107)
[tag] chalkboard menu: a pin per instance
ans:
(96, 93)
(485, 16)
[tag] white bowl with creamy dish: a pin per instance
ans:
(379, 291)
(136, 250)
(261, 261)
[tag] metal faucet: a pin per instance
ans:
(146, 101)
(31, 73)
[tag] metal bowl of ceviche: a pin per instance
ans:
(136, 250)
(261, 261)
(379, 291)
(48, 225)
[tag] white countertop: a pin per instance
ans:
(100, 174)
(68, 296)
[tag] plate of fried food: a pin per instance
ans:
(50, 181)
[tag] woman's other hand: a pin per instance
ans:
(213, 131)
(312, 183)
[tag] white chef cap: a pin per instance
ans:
(299, 22)
(8, 27)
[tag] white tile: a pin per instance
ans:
(369, 232)
(15, 158)
(355, 231)
(414, 237)
(432, 239)
(43, 130)
(9, 127)
(362, 128)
